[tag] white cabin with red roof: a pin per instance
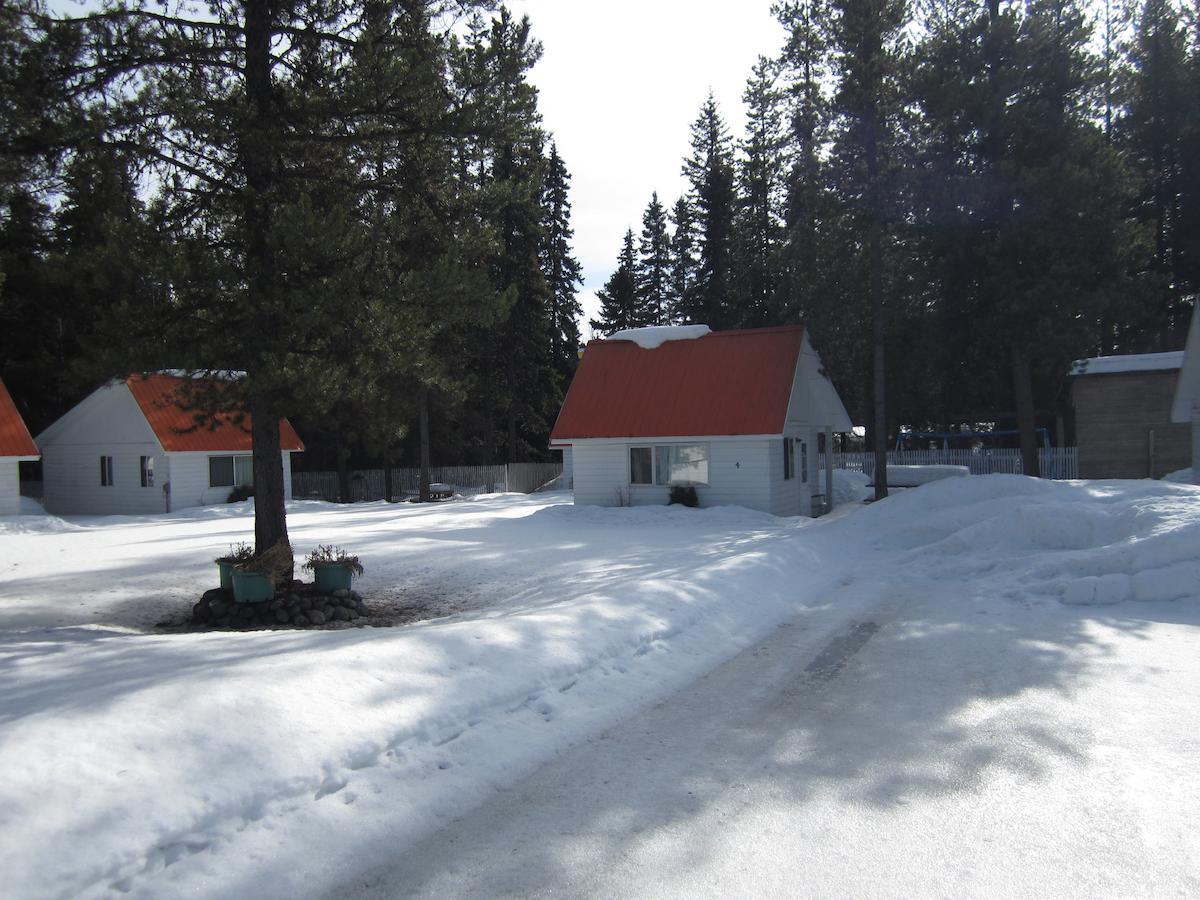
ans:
(16, 446)
(134, 446)
(736, 414)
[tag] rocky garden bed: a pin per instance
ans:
(299, 605)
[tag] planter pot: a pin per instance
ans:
(332, 577)
(226, 569)
(251, 587)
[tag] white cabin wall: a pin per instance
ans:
(189, 479)
(107, 423)
(738, 474)
(10, 486)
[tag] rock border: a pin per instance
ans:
(298, 605)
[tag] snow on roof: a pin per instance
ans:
(165, 407)
(15, 439)
(656, 335)
(721, 383)
(1132, 362)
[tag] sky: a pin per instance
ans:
(620, 82)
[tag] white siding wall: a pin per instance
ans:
(189, 480)
(10, 487)
(1196, 442)
(108, 423)
(738, 473)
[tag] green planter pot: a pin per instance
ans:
(251, 587)
(332, 577)
(226, 569)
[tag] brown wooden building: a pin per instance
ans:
(1123, 416)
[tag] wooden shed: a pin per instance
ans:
(1123, 421)
(735, 414)
(134, 446)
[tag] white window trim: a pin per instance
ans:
(233, 456)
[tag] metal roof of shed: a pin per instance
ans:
(724, 383)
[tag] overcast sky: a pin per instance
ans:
(620, 82)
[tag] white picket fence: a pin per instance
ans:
(1056, 462)
(368, 484)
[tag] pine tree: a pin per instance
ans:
(712, 198)
(619, 307)
(1153, 134)
(804, 66)
(653, 270)
(760, 179)
(562, 271)
(867, 51)
(682, 281)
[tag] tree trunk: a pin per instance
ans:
(878, 330)
(388, 485)
(423, 494)
(258, 163)
(512, 433)
(1026, 422)
(270, 518)
(343, 473)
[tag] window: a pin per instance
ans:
(789, 458)
(147, 471)
(230, 471)
(668, 464)
(640, 466)
(106, 471)
(804, 461)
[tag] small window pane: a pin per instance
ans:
(220, 471)
(245, 470)
(147, 471)
(788, 458)
(689, 464)
(640, 466)
(803, 461)
(106, 471)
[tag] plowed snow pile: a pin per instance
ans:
(1092, 542)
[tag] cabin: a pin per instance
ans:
(1185, 405)
(136, 446)
(736, 414)
(16, 446)
(1123, 424)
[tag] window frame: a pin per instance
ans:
(789, 458)
(146, 467)
(244, 459)
(629, 472)
(106, 471)
(658, 478)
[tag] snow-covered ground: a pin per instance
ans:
(287, 763)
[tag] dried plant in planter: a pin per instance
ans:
(238, 553)
(329, 555)
(276, 563)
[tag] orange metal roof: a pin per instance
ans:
(15, 439)
(727, 382)
(162, 403)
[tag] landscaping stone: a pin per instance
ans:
(297, 605)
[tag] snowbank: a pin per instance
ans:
(1182, 476)
(850, 487)
(914, 476)
(656, 335)
(1095, 542)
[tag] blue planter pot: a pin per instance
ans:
(332, 577)
(226, 569)
(251, 587)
